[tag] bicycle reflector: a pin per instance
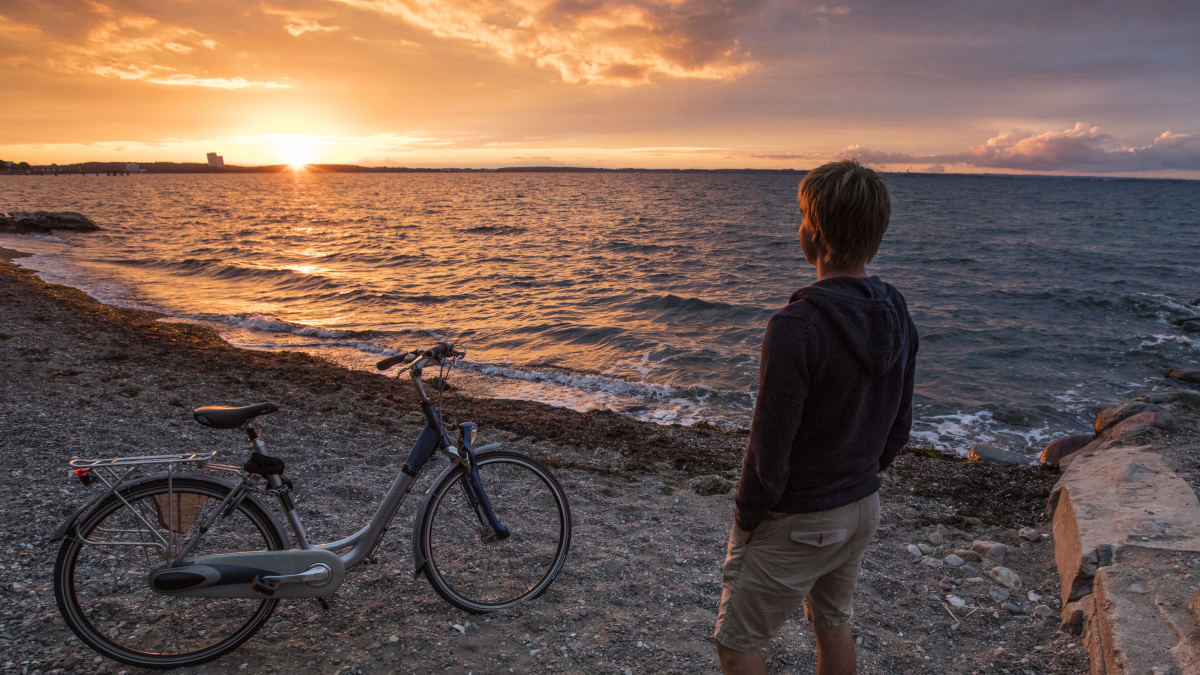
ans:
(85, 476)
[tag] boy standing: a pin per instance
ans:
(834, 408)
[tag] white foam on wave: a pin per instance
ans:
(675, 410)
(1165, 304)
(957, 431)
(48, 258)
(270, 324)
(594, 383)
(1159, 340)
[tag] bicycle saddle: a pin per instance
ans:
(221, 417)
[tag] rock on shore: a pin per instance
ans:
(22, 222)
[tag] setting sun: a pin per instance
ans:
(294, 149)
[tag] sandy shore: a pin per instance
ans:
(640, 589)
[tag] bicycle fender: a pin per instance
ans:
(419, 561)
(69, 523)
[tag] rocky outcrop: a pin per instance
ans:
(1184, 374)
(1125, 526)
(1122, 411)
(21, 222)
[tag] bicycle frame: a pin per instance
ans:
(352, 550)
(356, 548)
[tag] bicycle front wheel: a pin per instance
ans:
(101, 577)
(466, 564)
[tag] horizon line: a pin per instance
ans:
(202, 168)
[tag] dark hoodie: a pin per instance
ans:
(834, 399)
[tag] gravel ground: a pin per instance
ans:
(639, 591)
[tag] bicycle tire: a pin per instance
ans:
(463, 562)
(103, 593)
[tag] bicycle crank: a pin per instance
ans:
(256, 574)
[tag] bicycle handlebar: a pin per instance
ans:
(436, 352)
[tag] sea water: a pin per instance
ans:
(1039, 300)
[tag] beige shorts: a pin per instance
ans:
(792, 558)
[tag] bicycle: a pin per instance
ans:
(179, 568)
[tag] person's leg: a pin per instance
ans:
(830, 604)
(835, 651)
(741, 663)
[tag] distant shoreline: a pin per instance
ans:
(186, 167)
(174, 168)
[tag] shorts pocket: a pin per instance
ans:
(819, 538)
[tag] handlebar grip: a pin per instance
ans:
(439, 350)
(390, 361)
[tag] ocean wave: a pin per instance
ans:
(495, 229)
(374, 258)
(213, 268)
(271, 324)
(628, 246)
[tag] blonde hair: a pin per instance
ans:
(849, 205)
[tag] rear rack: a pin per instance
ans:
(201, 458)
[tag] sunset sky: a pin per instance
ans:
(1078, 87)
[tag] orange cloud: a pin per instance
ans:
(621, 42)
(217, 82)
(299, 22)
(10, 28)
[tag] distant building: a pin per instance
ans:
(216, 161)
(134, 168)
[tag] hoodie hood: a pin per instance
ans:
(866, 314)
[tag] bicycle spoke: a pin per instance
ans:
(477, 574)
(116, 612)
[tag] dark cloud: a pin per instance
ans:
(605, 41)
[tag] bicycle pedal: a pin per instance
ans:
(266, 587)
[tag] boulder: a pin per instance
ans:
(1157, 419)
(991, 550)
(1192, 326)
(19, 222)
(1014, 416)
(1127, 430)
(1064, 446)
(1122, 411)
(990, 453)
(711, 485)
(969, 556)
(1006, 578)
(1186, 374)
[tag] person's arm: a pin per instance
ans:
(902, 426)
(782, 386)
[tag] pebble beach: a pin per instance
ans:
(652, 507)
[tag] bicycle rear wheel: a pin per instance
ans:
(102, 573)
(466, 564)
